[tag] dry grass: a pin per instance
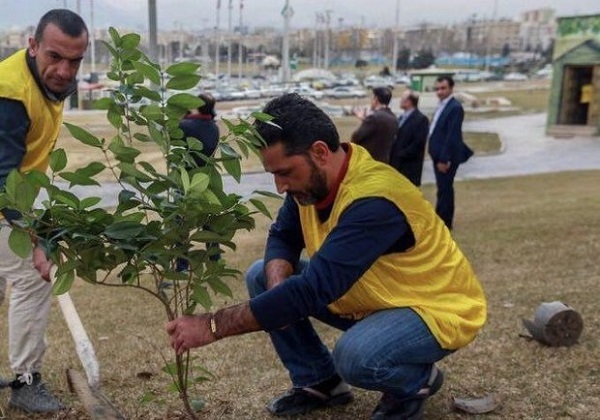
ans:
(531, 239)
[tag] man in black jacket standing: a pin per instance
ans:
(446, 146)
(408, 149)
(378, 128)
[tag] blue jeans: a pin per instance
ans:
(391, 351)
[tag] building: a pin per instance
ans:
(538, 29)
(574, 107)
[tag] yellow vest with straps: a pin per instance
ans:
(17, 82)
(433, 277)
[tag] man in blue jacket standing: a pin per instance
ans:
(446, 147)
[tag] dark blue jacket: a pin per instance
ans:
(446, 141)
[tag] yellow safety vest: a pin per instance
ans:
(433, 278)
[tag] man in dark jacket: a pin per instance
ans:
(408, 149)
(446, 146)
(201, 125)
(378, 129)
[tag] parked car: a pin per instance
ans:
(371, 82)
(515, 77)
(345, 92)
(306, 91)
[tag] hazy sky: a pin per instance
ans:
(196, 14)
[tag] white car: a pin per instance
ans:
(307, 92)
(345, 92)
(515, 77)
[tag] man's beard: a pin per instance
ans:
(317, 189)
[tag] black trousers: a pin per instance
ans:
(444, 206)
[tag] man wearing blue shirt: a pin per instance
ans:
(383, 268)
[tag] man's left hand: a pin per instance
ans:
(190, 331)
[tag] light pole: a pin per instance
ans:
(152, 29)
(241, 42)
(217, 40)
(326, 40)
(287, 13)
(396, 31)
(230, 8)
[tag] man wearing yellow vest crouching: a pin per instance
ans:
(383, 268)
(33, 85)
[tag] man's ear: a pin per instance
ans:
(320, 153)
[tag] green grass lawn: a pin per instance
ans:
(530, 239)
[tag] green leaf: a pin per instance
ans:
(67, 198)
(150, 72)
(184, 100)
(38, 179)
(75, 178)
(19, 242)
(261, 207)
(201, 296)
(123, 230)
(267, 194)
(200, 182)
(233, 168)
(26, 196)
(152, 112)
(58, 160)
(63, 282)
(130, 41)
(89, 202)
(115, 116)
(185, 181)
(183, 82)
(184, 68)
(148, 93)
(131, 170)
(103, 103)
(219, 286)
(115, 37)
(261, 116)
(83, 136)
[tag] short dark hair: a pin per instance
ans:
(297, 123)
(383, 94)
(67, 21)
(208, 108)
(447, 78)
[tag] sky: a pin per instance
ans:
(201, 14)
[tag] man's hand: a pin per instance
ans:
(190, 331)
(360, 112)
(443, 167)
(41, 263)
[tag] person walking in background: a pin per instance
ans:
(200, 124)
(446, 146)
(34, 84)
(378, 128)
(383, 268)
(408, 149)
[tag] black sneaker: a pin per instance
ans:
(303, 400)
(409, 408)
(31, 395)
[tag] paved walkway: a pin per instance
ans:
(526, 150)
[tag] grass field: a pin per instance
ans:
(530, 239)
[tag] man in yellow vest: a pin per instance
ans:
(33, 85)
(383, 268)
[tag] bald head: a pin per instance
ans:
(409, 100)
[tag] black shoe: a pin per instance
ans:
(408, 408)
(303, 400)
